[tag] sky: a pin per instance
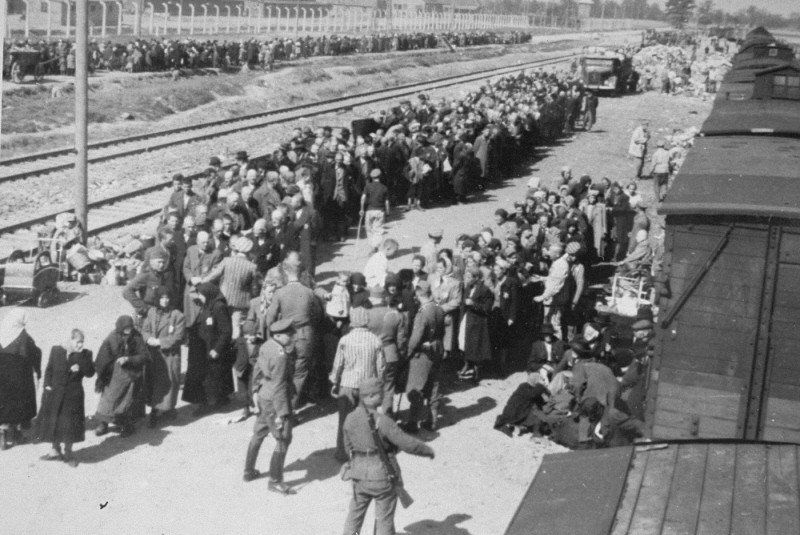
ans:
(782, 7)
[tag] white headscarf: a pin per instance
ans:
(12, 325)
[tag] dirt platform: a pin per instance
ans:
(186, 477)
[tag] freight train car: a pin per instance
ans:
(727, 363)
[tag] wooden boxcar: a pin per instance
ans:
(727, 361)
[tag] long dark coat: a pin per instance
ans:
(209, 380)
(18, 362)
(62, 417)
(121, 385)
(477, 346)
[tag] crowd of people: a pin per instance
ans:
(232, 276)
(153, 55)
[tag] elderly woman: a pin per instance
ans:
(120, 368)
(208, 380)
(163, 331)
(446, 292)
(61, 418)
(473, 333)
(20, 359)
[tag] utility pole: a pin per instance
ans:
(81, 111)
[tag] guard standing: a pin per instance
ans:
(425, 355)
(272, 396)
(372, 440)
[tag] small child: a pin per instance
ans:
(338, 305)
(359, 296)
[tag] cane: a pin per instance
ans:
(358, 235)
(399, 403)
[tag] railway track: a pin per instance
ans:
(127, 208)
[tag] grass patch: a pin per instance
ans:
(312, 75)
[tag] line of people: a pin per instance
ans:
(153, 55)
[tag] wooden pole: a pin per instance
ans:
(81, 111)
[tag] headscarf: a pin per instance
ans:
(12, 326)
(210, 292)
(123, 322)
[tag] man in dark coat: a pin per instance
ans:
(208, 381)
(547, 351)
(183, 200)
(366, 469)
(425, 354)
(141, 291)
(120, 366)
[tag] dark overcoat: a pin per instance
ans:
(477, 346)
(18, 362)
(62, 417)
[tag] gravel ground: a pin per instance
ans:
(186, 477)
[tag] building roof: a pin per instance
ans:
(743, 114)
(752, 175)
(701, 486)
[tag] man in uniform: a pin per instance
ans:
(425, 354)
(272, 398)
(370, 477)
(298, 304)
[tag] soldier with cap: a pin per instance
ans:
(272, 398)
(142, 291)
(430, 250)
(371, 479)
(425, 354)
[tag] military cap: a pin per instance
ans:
(241, 155)
(159, 254)
(214, 161)
(370, 386)
(281, 326)
(375, 173)
(177, 177)
(436, 233)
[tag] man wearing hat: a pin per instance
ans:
(425, 354)
(359, 356)
(366, 470)
(660, 169)
(242, 162)
(547, 351)
(142, 291)
(557, 290)
(374, 208)
(235, 275)
(183, 200)
(272, 399)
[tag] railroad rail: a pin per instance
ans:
(130, 207)
(24, 166)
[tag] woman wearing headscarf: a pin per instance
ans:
(20, 359)
(163, 331)
(120, 369)
(61, 418)
(473, 333)
(208, 380)
(446, 292)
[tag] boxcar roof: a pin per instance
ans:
(738, 175)
(712, 487)
(743, 115)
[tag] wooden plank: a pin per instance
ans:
(784, 391)
(790, 248)
(739, 290)
(677, 357)
(782, 329)
(722, 306)
(594, 479)
(622, 520)
(683, 508)
(787, 314)
(691, 405)
(711, 427)
(685, 271)
(783, 413)
(703, 380)
(717, 499)
(782, 490)
(750, 243)
(648, 515)
(730, 339)
(725, 261)
(780, 434)
(783, 374)
(749, 497)
(688, 319)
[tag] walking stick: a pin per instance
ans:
(358, 235)
(399, 403)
